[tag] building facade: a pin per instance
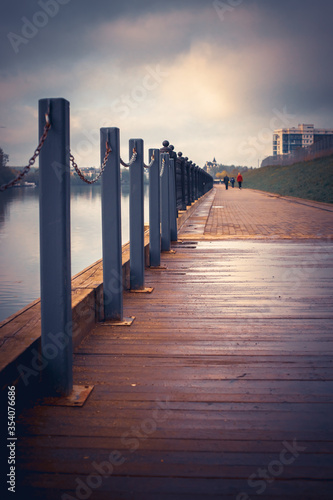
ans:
(209, 165)
(288, 140)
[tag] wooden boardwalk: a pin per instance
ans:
(222, 387)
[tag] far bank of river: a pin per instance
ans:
(19, 239)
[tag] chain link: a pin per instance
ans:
(151, 162)
(80, 174)
(132, 160)
(162, 169)
(32, 160)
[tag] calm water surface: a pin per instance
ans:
(19, 239)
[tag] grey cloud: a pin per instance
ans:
(64, 39)
(64, 35)
(301, 80)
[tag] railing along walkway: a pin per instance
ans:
(222, 386)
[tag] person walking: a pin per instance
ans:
(226, 181)
(232, 181)
(239, 180)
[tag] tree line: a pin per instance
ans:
(220, 171)
(7, 174)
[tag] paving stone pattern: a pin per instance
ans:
(247, 213)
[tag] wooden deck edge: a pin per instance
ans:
(184, 216)
(20, 334)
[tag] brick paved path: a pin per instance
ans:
(248, 213)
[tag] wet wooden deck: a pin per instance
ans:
(221, 388)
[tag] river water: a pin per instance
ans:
(19, 239)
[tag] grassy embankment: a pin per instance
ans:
(312, 180)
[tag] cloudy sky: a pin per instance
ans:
(213, 77)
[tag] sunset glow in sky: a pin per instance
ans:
(213, 77)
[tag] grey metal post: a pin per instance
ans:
(165, 212)
(173, 156)
(154, 210)
(186, 170)
(196, 182)
(173, 201)
(181, 162)
(194, 176)
(55, 260)
(193, 182)
(111, 227)
(137, 258)
(189, 197)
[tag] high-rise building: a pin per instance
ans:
(287, 140)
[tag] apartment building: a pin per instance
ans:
(287, 140)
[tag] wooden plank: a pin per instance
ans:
(217, 444)
(176, 487)
(181, 464)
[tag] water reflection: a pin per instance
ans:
(19, 239)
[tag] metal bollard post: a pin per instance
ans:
(111, 227)
(137, 258)
(165, 198)
(154, 210)
(186, 168)
(173, 201)
(173, 156)
(198, 182)
(192, 181)
(189, 182)
(55, 252)
(181, 162)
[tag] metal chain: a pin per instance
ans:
(32, 160)
(162, 169)
(151, 162)
(132, 160)
(80, 174)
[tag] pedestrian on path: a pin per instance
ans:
(226, 181)
(232, 181)
(239, 180)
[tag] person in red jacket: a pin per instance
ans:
(240, 180)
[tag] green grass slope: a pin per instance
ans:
(312, 180)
